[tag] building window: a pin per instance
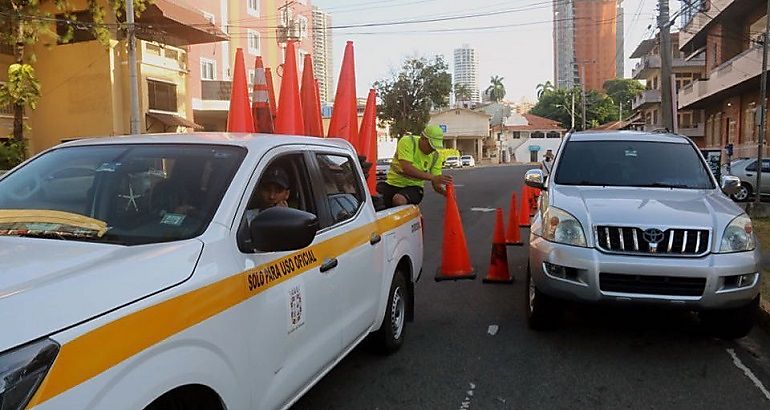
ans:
(161, 96)
(80, 27)
(537, 134)
(517, 134)
(208, 69)
(253, 7)
(153, 49)
(171, 54)
(253, 42)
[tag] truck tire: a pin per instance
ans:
(542, 310)
(731, 323)
(389, 338)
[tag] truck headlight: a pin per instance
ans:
(738, 236)
(22, 370)
(561, 227)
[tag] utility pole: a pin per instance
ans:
(667, 107)
(583, 92)
(763, 106)
(133, 82)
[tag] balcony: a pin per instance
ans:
(695, 131)
(646, 98)
(739, 70)
(652, 62)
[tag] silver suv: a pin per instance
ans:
(632, 217)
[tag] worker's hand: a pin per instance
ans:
(438, 180)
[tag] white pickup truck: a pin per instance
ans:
(132, 278)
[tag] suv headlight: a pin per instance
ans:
(738, 236)
(561, 227)
(22, 370)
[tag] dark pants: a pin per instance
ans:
(413, 194)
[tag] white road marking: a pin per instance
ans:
(457, 185)
(466, 404)
(479, 209)
(492, 330)
(748, 373)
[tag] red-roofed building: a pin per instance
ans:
(527, 137)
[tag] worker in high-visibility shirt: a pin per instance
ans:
(416, 160)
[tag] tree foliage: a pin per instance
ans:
(623, 91)
(462, 92)
(556, 104)
(496, 89)
(409, 95)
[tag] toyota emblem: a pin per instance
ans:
(653, 236)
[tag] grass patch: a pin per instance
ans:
(762, 230)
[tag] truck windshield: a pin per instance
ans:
(142, 193)
(632, 164)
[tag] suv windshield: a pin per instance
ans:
(143, 193)
(632, 164)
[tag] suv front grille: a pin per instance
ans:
(652, 285)
(671, 242)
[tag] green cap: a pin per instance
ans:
(435, 136)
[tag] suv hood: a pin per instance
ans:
(647, 207)
(47, 285)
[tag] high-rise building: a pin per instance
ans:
(466, 70)
(322, 53)
(588, 42)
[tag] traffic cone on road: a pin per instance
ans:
(455, 261)
(271, 93)
(319, 117)
(513, 235)
(239, 116)
(524, 221)
(532, 194)
(260, 109)
(498, 265)
(289, 120)
(368, 137)
(344, 122)
(310, 109)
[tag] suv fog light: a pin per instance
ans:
(740, 281)
(561, 272)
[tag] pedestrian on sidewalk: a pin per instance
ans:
(416, 160)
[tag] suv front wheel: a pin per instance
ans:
(731, 323)
(743, 193)
(542, 310)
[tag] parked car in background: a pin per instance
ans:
(467, 161)
(452, 162)
(383, 166)
(746, 170)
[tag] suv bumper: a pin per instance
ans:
(582, 281)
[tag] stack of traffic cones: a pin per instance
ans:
(239, 117)
(271, 93)
(498, 265)
(344, 121)
(318, 102)
(368, 137)
(289, 120)
(263, 117)
(513, 235)
(455, 261)
(311, 110)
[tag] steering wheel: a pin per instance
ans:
(29, 187)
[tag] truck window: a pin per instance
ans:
(342, 186)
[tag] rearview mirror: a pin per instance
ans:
(535, 179)
(279, 229)
(730, 184)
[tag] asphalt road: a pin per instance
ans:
(599, 358)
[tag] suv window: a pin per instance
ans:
(343, 191)
(632, 163)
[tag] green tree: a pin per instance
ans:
(543, 87)
(462, 92)
(623, 91)
(22, 24)
(496, 89)
(556, 104)
(408, 97)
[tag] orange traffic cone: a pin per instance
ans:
(271, 92)
(319, 117)
(524, 220)
(368, 137)
(532, 200)
(289, 120)
(239, 116)
(498, 265)
(513, 235)
(344, 121)
(260, 108)
(455, 262)
(309, 100)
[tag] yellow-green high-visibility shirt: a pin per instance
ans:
(408, 150)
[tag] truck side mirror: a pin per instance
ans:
(279, 229)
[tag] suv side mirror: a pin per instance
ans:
(279, 229)
(535, 179)
(730, 184)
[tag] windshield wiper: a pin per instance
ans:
(664, 185)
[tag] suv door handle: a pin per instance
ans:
(329, 264)
(375, 239)
(749, 175)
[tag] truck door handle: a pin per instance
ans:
(329, 264)
(375, 239)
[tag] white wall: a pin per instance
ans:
(522, 151)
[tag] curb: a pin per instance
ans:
(763, 318)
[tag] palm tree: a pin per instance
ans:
(496, 89)
(462, 93)
(543, 88)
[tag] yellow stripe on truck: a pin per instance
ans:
(102, 348)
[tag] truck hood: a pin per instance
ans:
(647, 207)
(47, 285)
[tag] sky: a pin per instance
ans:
(519, 47)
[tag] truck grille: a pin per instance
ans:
(652, 285)
(671, 242)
